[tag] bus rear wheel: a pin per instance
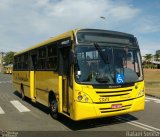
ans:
(54, 109)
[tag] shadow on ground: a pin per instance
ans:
(85, 124)
(93, 123)
(36, 105)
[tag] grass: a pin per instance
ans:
(151, 76)
(152, 82)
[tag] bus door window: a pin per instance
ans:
(65, 56)
(66, 67)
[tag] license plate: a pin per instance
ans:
(114, 106)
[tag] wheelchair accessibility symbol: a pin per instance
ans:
(119, 78)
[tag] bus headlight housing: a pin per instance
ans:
(86, 99)
(80, 97)
(83, 97)
(141, 93)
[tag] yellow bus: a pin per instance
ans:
(83, 74)
(8, 69)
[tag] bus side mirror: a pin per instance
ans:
(72, 57)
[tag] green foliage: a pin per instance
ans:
(148, 58)
(8, 58)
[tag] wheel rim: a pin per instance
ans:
(54, 110)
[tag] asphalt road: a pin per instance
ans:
(34, 117)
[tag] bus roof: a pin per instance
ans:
(50, 40)
(107, 32)
(64, 35)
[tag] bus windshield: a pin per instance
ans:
(110, 65)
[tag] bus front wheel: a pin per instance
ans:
(54, 109)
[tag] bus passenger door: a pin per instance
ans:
(64, 67)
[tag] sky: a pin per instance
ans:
(24, 23)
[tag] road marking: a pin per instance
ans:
(146, 100)
(1, 111)
(19, 106)
(157, 101)
(1, 82)
(154, 99)
(138, 124)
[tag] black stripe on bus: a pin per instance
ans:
(29, 86)
(42, 89)
(113, 95)
(21, 83)
(112, 86)
(113, 91)
(117, 101)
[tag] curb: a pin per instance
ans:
(152, 95)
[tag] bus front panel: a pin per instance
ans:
(93, 102)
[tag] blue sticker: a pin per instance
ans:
(119, 78)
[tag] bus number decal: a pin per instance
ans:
(104, 99)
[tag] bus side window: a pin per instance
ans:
(25, 62)
(41, 59)
(15, 67)
(52, 61)
(33, 62)
(19, 65)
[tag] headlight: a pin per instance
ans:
(141, 92)
(83, 97)
(80, 97)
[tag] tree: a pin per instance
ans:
(8, 58)
(148, 58)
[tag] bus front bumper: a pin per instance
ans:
(97, 110)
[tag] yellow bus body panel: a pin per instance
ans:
(22, 78)
(45, 82)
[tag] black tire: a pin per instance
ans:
(22, 94)
(54, 109)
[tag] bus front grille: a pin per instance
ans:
(113, 93)
(107, 110)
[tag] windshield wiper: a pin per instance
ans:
(101, 77)
(103, 56)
